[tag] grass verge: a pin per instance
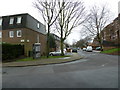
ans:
(43, 57)
(111, 50)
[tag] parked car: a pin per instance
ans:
(74, 50)
(78, 48)
(69, 50)
(89, 49)
(57, 53)
(98, 48)
(84, 49)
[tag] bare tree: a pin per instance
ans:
(98, 18)
(69, 18)
(47, 9)
(83, 42)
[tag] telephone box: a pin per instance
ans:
(36, 50)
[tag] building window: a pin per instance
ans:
(19, 33)
(104, 39)
(11, 20)
(11, 34)
(0, 34)
(0, 21)
(28, 40)
(22, 40)
(38, 25)
(19, 19)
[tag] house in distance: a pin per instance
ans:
(23, 29)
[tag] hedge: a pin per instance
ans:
(11, 51)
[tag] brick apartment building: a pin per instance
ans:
(23, 29)
(110, 34)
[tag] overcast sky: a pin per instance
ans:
(9, 7)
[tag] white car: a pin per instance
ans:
(57, 53)
(89, 49)
(84, 49)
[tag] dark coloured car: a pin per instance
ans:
(74, 50)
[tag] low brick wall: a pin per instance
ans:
(107, 48)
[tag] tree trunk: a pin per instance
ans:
(101, 45)
(62, 42)
(100, 42)
(48, 41)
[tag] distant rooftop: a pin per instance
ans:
(28, 21)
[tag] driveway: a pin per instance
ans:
(94, 71)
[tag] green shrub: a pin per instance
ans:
(11, 51)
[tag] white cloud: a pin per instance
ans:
(9, 7)
(119, 7)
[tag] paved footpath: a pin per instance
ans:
(73, 57)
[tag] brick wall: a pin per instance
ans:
(27, 35)
(111, 33)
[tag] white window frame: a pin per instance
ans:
(1, 21)
(11, 34)
(0, 34)
(20, 33)
(11, 20)
(19, 19)
(38, 25)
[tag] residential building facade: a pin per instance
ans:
(110, 34)
(23, 29)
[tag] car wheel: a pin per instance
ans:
(51, 54)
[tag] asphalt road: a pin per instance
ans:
(94, 71)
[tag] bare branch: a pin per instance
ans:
(98, 19)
